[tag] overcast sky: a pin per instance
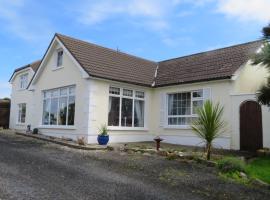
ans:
(153, 29)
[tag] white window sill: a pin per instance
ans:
(20, 124)
(117, 128)
(183, 127)
(57, 127)
(57, 68)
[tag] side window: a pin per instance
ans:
(21, 113)
(59, 58)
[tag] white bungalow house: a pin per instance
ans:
(77, 86)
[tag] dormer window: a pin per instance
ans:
(59, 58)
(23, 81)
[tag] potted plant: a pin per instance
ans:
(103, 137)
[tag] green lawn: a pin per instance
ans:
(260, 168)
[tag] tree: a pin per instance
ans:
(209, 124)
(263, 58)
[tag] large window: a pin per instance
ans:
(23, 81)
(59, 106)
(182, 107)
(21, 113)
(126, 108)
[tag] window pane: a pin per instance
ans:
(72, 90)
(63, 92)
(139, 94)
(59, 58)
(46, 112)
(55, 93)
(47, 94)
(139, 113)
(71, 110)
(114, 90)
(197, 94)
(196, 105)
(23, 81)
(62, 118)
(128, 93)
(19, 113)
(53, 114)
(114, 107)
(23, 113)
(126, 114)
(170, 104)
(179, 104)
(172, 121)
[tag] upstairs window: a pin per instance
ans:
(23, 81)
(126, 108)
(59, 58)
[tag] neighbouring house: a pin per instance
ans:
(77, 86)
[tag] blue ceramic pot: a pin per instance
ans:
(103, 139)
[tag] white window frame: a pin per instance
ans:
(192, 115)
(58, 109)
(19, 116)
(121, 96)
(57, 55)
(23, 81)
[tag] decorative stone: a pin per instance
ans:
(260, 183)
(243, 175)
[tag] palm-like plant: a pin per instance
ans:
(209, 124)
(263, 58)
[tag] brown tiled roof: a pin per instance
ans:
(210, 65)
(109, 64)
(33, 65)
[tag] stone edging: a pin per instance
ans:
(65, 143)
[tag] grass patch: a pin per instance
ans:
(235, 176)
(259, 168)
(231, 165)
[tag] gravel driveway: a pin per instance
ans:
(31, 169)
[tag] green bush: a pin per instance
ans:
(231, 164)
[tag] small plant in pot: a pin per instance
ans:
(103, 137)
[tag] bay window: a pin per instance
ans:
(126, 108)
(182, 107)
(59, 106)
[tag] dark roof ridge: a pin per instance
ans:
(213, 50)
(26, 66)
(112, 50)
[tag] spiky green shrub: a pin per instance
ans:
(103, 130)
(209, 124)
